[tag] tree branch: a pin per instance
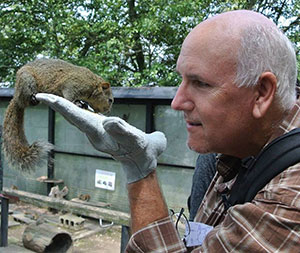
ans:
(137, 47)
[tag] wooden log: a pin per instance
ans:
(46, 238)
(117, 217)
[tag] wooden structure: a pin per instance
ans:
(69, 206)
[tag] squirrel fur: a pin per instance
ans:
(48, 76)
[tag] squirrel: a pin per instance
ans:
(55, 192)
(54, 76)
(84, 197)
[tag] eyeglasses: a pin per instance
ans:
(181, 222)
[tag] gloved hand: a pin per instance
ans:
(136, 150)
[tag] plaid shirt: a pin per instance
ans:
(270, 223)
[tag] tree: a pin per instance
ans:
(128, 42)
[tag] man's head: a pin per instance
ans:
(238, 76)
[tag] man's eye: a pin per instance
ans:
(200, 83)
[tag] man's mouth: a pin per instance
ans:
(193, 124)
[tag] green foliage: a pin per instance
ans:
(128, 42)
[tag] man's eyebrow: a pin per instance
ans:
(192, 76)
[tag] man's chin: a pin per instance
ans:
(198, 148)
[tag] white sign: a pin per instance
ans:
(105, 179)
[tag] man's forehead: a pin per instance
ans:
(212, 35)
(207, 49)
(191, 68)
(189, 73)
(186, 65)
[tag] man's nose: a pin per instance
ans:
(181, 101)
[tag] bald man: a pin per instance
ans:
(237, 94)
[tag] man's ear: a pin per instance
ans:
(265, 94)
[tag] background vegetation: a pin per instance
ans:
(128, 42)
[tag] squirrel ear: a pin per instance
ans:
(265, 94)
(105, 85)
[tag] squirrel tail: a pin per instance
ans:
(17, 151)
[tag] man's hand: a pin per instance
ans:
(136, 150)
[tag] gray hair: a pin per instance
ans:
(266, 48)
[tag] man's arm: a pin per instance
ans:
(146, 202)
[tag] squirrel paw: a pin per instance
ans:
(33, 100)
(83, 105)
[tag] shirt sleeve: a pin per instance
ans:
(160, 236)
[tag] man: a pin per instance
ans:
(237, 94)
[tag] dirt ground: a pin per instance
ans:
(107, 240)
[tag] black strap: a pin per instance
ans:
(277, 156)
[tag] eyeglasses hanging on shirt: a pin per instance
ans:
(191, 233)
(181, 223)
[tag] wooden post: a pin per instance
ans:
(4, 221)
(125, 236)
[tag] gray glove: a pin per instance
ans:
(136, 150)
